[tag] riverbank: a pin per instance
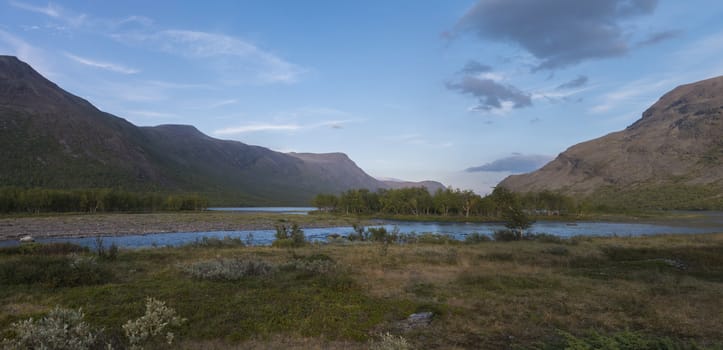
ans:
(123, 224)
(656, 292)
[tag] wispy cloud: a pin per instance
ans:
(54, 11)
(48, 10)
(633, 92)
(266, 127)
(149, 114)
(113, 67)
(230, 54)
(26, 52)
(256, 128)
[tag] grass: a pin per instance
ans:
(544, 294)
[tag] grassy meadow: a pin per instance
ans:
(661, 292)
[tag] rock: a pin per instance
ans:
(421, 319)
(27, 239)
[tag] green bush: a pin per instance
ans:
(227, 241)
(388, 341)
(228, 269)
(625, 340)
(60, 329)
(506, 236)
(149, 328)
(44, 249)
(289, 236)
(475, 237)
(54, 271)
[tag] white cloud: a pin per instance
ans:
(25, 52)
(53, 11)
(49, 10)
(283, 126)
(102, 65)
(230, 54)
(635, 92)
(257, 128)
(149, 114)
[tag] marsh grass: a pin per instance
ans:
(530, 294)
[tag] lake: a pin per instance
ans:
(710, 222)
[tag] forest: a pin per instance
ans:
(448, 202)
(39, 200)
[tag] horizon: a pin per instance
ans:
(457, 92)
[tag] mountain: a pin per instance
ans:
(673, 155)
(53, 139)
(431, 186)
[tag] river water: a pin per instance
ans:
(706, 222)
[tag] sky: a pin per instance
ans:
(459, 91)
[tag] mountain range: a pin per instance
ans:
(672, 157)
(53, 139)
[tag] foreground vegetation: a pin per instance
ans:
(658, 292)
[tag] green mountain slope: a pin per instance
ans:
(51, 138)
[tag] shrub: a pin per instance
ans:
(44, 249)
(435, 238)
(228, 269)
(388, 341)
(476, 237)
(625, 340)
(544, 238)
(59, 329)
(226, 241)
(289, 236)
(557, 250)
(310, 266)
(505, 236)
(54, 271)
(149, 328)
(378, 234)
(359, 234)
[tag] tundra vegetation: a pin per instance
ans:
(659, 292)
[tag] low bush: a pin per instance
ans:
(289, 236)
(59, 329)
(310, 266)
(228, 269)
(625, 340)
(476, 237)
(435, 238)
(54, 271)
(389, 341)
(544, 238)
(227, 241)
(44, 249)
(557, 250)
(506, 236)
(148, 330)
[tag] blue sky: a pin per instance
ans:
(463, 92)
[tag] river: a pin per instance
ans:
(704, 222)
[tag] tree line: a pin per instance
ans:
(417, 201)
(37, 200)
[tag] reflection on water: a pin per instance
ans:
(709, 223)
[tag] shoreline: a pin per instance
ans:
(127, 224)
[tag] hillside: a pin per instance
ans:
(670, 158)
(53, 139)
